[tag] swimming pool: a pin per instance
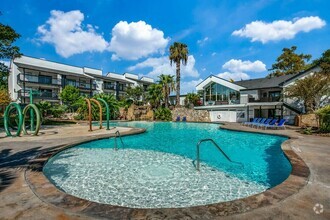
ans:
(155, 169)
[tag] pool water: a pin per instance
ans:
(156, 170)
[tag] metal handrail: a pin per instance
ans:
(217, 146)
(121, 140)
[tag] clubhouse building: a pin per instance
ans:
(246, 99)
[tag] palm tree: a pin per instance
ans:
(167, 82)
(154, 95)
(178, 53)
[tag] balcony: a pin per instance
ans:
(38, 79)
(266, 99)
(109, 86)
(80, 85)
(40, 95)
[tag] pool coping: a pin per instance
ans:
(48, 193)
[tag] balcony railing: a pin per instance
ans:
(265, 99)
(109, 86)
(80, 85)
(38, 79)
(40, 95)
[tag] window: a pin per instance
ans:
(70, 82)
(45, 79)
(110, 85)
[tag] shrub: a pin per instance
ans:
(58, 110)
(44, 108)
(324, 117)
(163, 114)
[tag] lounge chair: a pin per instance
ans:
(177, 118)
(184, 118)
(272, 122)
(265, 123)
(261, 121)
(280, 124)
(249, 122)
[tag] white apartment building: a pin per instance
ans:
(48, 78)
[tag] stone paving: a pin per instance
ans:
(26, 194)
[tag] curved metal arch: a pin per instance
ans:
(35, 108)
(100, 107)
(6, 119)
(108, 111)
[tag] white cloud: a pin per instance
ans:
(238, 68)
(65, 31)
(202, 41)
(162, 65)
(213, 54)
(244, 66)
(189, 86)
(233, 76)
(278, 30)
(136, 40)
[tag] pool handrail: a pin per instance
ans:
(121, 140)
(217, 146)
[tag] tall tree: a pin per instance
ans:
(69, 96)
(289, 62)
(7, 51)
(324, 63)
(167, 82)
(313, 90)
(154, 95)
(178, 53)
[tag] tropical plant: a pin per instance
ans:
(313, 90)
(69, 96)
(58, 110)
(163, 114)
(192, 98)
(324, 117)
(135, 93)
(44, 108)
(82, 111)
(7, 51)
(167, 82)
(289, 62)
(112, 103)
(178, 53)
(155, 95)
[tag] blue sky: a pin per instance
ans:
(231, 39)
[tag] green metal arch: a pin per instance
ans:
(20, 119)
(35, 108)
(107, 110)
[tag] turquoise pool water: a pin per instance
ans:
(155, 169)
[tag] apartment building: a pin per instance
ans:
(47, 79)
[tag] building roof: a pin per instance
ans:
(109, 78)
(267, 82)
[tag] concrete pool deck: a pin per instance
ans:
(25, 194)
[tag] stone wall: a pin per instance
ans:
(137, 113)
(191, 114)
(308, 120)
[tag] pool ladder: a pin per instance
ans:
(121, 140)
(217, 146)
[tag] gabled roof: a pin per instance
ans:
(267, 82)
(218, 80)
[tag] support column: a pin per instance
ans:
(117, 90)
(23, 95)
(247, 113)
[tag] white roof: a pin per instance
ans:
(218, 80)
(30, 62)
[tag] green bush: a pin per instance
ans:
(163, 114)
(58, 110)
(324, 117)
